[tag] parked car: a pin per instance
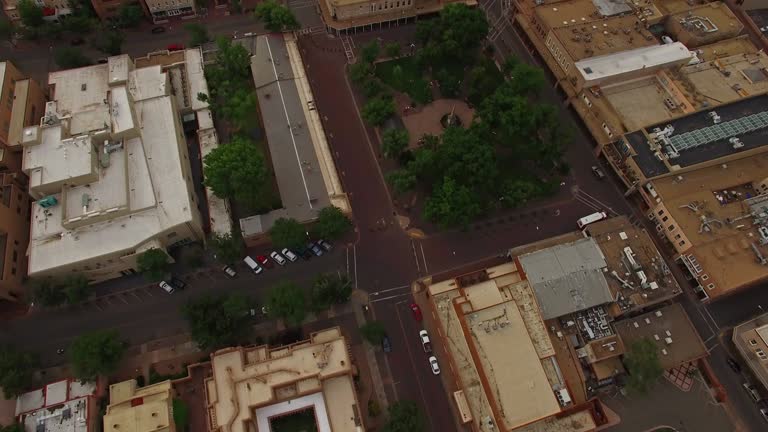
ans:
(327, 246)
(386, 344)
(158, 30)
(764, 413)
(166, 287)
(290, 255)
(253, 265)
(752, 392)
(305, 253)
(229, 271)
(598, 172)
(264, 261)
(278, 258)
(77, 41)
(178, 283)
(315, 249)
(732, 363)
(416, 310)
(175, 47)
(425, 343)
(102, 60)
(433, 364)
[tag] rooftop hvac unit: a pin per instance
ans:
(658, 313)
(48, 202)
(735, 143)
(631, 257)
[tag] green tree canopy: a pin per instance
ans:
(16, 427)
(47, 293)
(288, 233)
(329, 289)
(130, 15)
(360, 72)
(404, 416)
(394, 141)
(76, 289)
(16, 369)
(95, 354)
(377, 110)
(452, 204)
(523, 78)
(78, 24)
(30, 13)
(370, 51)
(109, 41)
(331, 223)
(180, 415)
(392, 49)
(287, 301)
(68, 57)
(643, 365)
(459, 30)
(198, 34)
(153, 263)
(373, 332)
(276, 17)
(6, 29)
(402, 180)
(217, 321)
(237, 170)
(227, 247)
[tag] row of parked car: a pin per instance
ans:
(426, 344)
(283, 257)
(751, 389)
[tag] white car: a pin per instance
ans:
(425, 343)
(167, 287)
(278, 258)
(433, 364)
(290, 255)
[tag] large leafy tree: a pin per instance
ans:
(276, 17)
(404, 416)
(76, 289)
(16, 369)
(402, 180)
(238, 170)
(373, 332)
(643, 365)
(452, 204)
(287, 301)
(370, 51)
(109, 41)
(288, 233)
(329, 289)
(451, 38)
(30, 13)
(331, 223)
(153, 263)
(523, 78)
(16, 427)
(377, 110)
(394, 141)
(68, 57)
(217, 321)
(47, 293)
(95, 354)
(79, 24)
(6, 29)
(227, 247)
(130, 15)
(198, 34)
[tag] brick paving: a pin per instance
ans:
(425, 120)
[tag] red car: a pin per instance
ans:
(265, 261)
(416, 311)
(175, 47)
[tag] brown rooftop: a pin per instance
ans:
(607, 36)
(614, 236)
(567, 12)
(704, 24)
(605, 348)
(670, 330)
(723, 250)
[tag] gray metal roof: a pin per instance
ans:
(567, 278)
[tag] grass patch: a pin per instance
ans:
(301, 421)
(404, 75)
(180, 415)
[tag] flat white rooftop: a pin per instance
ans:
(600, 67)
(121, 181)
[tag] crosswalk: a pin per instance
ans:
(301, 4)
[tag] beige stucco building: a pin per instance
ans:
(109, 168)
(164, 9)
(140, 409)
(251, 386)
(349, 15)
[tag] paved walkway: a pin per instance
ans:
(425, 120)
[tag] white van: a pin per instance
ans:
(594, 217)
(253, 265)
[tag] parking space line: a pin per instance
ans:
(415, 256)
(354, 259)
(390, 297)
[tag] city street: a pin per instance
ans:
(383, 260)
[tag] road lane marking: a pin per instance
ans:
(711, 318)
(423, 257)
(415, 256)
(354, 250)
(390, 289)
(390, 297)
